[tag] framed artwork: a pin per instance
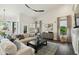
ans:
(49, 27)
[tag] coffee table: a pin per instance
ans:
(37, 44)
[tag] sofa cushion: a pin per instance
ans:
(8, 47)
(25, 40)
(26, 51)
(2, 51)
(20, 37)
(26, 35)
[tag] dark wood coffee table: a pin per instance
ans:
(37, 44)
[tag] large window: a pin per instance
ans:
(63, 27)
(8, 27)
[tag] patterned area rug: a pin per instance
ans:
(50, 49)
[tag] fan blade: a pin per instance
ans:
(34, 9)
(39, 10)
(27, 5)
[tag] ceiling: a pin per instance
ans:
(15, 9)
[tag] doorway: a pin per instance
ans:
(64, 25)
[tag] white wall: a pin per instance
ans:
(15, 13)
(25, 21)
(11, 18)
(51, 17)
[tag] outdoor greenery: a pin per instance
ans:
(63, 30)
(2, 33)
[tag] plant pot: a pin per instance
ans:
(63, 38)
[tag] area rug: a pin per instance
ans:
(50, 49)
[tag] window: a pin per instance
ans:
(63, 27)
(8, 27)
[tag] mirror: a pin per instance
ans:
(77, 17)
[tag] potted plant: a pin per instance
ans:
(63, 32)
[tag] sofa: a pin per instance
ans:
(8, 47)
(24, 38)
(23, 49)
(1, 51)
(15, 48)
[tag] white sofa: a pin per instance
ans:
(16, 48)
(8, 47)
(23, 49)
(1, 51)
(25, 40)
(27, 37)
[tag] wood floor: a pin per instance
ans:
(65, 49)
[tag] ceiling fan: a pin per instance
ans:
(34, 9)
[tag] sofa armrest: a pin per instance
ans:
(25, 40)
(2, 51)
(26, 51)
(8, 47)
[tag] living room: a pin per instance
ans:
(34, 29)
